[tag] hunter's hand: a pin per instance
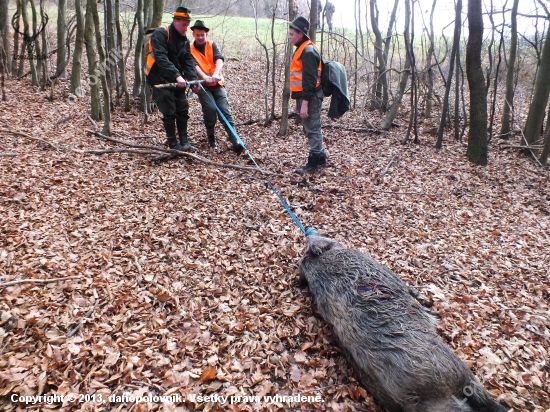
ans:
(181, 81)
(303, 109)
(211, 80)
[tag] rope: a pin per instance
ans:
(309, 231)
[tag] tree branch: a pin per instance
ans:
(41, 281)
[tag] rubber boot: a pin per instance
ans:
(186, 146)
(212, 142)
(312, 164)
(174, 144)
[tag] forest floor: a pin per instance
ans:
(188, 271)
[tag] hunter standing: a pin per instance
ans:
(169, 60)
(305, 87)
(209, 68)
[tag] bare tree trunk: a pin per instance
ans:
(477, 138)
(429, 69)
(158, 11)
(445, 108)
(392, 112)
(509, 102)
(138, 67)
(535, 117)
(102, 63)
(89, 40)
(76, 70)
(61, 38)
(274, 63)
(4, 33)
(380, 100)
(254, 4)
(286, 88)
(29, 43)
(16, 51)
(121, 63)
(313, 20)
(457, 94)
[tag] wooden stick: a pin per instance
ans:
(177, 153)
(8, 154)
(26, 136)
(79, 325)
(41, 281)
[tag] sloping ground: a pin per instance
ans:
(189, 271)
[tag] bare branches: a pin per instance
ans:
(40, 281)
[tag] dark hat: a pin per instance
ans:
(199, 24)
(301, 24)
(182, 13)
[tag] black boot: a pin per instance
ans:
(174, 144)
(313, 164)
(212, 142)
(186, 146)
(237, 147)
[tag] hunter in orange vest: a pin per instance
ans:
(305, 87)
(209, 68)
(169, 60)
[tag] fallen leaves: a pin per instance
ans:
(191, 270)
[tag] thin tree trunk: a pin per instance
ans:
(121, 63)
(430, 70)
(457, 94)
(106, 130)
(138, 67)
(274, 63)
(392, 112)
(445, 106)
(286, 88)
(76, 70)
(4, 32)
(89, 38)
(29, 43)
(477, 138)
(61, 38)
(313, 13)
(509, 101)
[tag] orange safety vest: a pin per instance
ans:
(296, 69)
(150, 59)
(206, 60)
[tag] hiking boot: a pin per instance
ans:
(185, 145)
(238, 148)
(212, 143)
(314, 163)
(174, 144)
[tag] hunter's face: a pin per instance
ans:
(295, 36)
(181, 25)
(200, 36)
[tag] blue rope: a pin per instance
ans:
(309, 231)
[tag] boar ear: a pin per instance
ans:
(318, 246)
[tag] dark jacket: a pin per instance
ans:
(310, 62)
(173, 58)
(339, 102)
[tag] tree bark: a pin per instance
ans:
(138, 52)
(158, 11)
(445, 106)
(509, 99)
(92, 62)
(76, 70)
(477, 137)
(313, 20)
(535, 117)
(5, 54)
(286, 87)
(61, 38)
(121, 63)
(392, 112)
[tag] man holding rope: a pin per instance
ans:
(209, 68)
(169, 60)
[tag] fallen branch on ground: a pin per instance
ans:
(41, 281)
(169, 153)
(8, 154)
(37, 139)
